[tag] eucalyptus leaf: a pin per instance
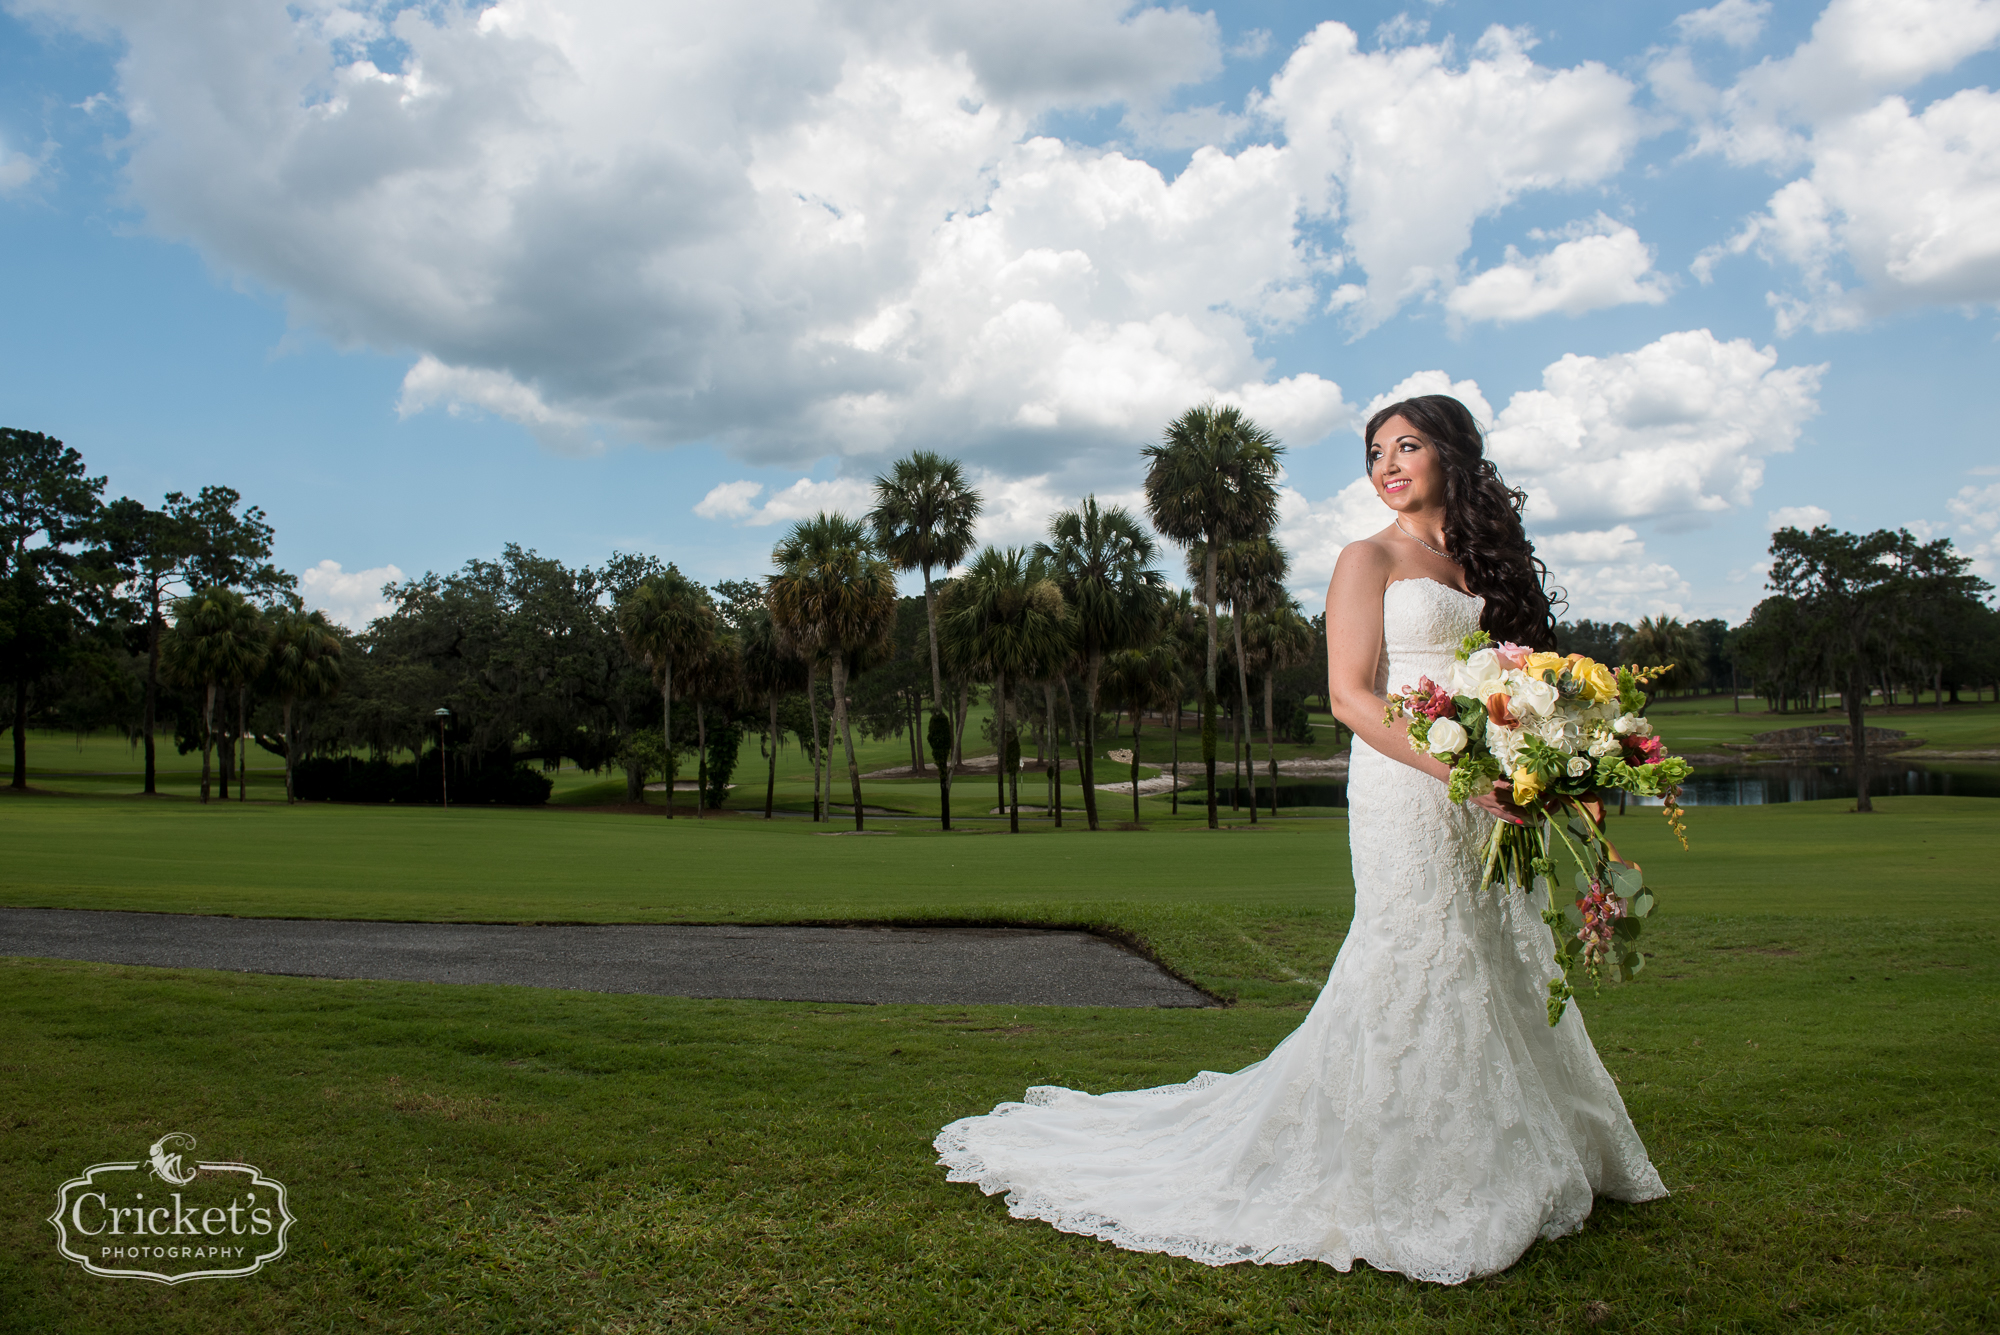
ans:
(1627, 881)
(1641, 905)
(1634, 961)
(1582, 884)
(1626, 928)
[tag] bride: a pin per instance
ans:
(1425, 1118)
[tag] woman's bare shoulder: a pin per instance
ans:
(1365, 564)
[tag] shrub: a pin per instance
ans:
(498, 781)
(723, 744)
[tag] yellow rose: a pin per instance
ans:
(1537, 664)
(1599, 682)
(1527, 786)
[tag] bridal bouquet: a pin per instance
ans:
(1560, 730)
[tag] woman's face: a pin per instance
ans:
(1404, 467)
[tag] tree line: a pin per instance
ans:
(173, 619)
(1936, 632)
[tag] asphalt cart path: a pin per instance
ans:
(911, 965)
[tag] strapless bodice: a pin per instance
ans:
(1422, 624)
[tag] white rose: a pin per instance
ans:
(1531, 696)
(1447, 738)
(1632, 725)
(1579, 766)
(1478, 676)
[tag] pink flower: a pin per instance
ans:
(1436, 702)
(1601, 910)
(1644, 750)
(1512, 656)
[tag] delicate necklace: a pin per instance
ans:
(1421, 543)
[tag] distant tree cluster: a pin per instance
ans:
(1850, 614)
(120, 614)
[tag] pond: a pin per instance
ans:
(1731, 786)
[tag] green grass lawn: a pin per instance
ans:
(1703, 723)
(104, 765)
(1811, 1056)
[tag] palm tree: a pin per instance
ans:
(1213, 479)
(1007, 606)
(1665, 639)
(257, 635)
(1053, 766)
(1251, 572)
(1045, 671)
(217, 640)
(822, 743)
(922, 520)
(959, 654)
(1278, 638)
(667, 620)
(1142, 679)
(834, 595)
(771, 670)
(304, 664)
(1101, 559)
(1183, 635)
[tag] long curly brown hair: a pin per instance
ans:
(1482, 522)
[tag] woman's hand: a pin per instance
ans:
(1497, 803)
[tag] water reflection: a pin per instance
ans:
(1733, 786)
(1762, 785)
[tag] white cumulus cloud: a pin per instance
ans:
(1976, 510)
(1906, 202)
(1606, 574)
(1411, 150)
(803, 499)
(730, 500)
(1601, 264)
(17, 169)
(351, 597)
(791, 230)
(1735, 22)
(1896, 204)
(1807, 517)
(1677, 429)
(462, 389)
(808, 230)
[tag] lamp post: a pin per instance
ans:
(443, 716)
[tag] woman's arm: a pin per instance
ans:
(1354, 647)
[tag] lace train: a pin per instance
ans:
(1424, 1118)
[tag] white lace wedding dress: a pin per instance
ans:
(1424, 1119)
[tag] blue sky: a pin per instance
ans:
(423, 280)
